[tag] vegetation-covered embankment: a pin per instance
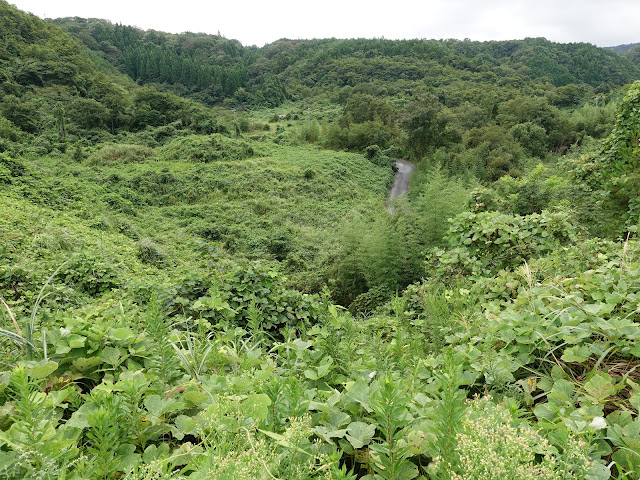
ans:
(171, 276)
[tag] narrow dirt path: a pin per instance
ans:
(400, 182)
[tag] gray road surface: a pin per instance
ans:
(401, 180)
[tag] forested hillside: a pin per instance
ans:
(200, 277)
(623, 48)
(213, 68)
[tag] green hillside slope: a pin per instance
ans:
(199, 277)
(56, 93)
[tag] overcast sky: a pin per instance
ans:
(256, 22)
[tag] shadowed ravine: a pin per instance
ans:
(400, 182)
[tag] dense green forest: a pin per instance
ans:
(200, 276)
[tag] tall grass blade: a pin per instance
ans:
(13, 319)
(17, 338)
(41, 296)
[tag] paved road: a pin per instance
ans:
(401, 181)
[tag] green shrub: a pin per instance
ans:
(205, 149)
(178, 295)
(487, 242)
(91, 273)
(280, 244)
(119, 153)
(9, 131)
(376, 156)
(78, 154)
(149, 252)
(256, 296)
(12, 167)
(5, 174)
(120, 204)
(368, 302)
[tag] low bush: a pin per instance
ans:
(205, 149)
(119, 153)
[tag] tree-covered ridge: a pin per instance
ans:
(209, 64)
(55, 92)
(630, 51)
(560, 64)
(298, 69)
(480, 101)
(35, 53)
(623, 48)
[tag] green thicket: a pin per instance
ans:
(55, 94)
(181, 218)
(210, 65)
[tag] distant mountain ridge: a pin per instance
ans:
(623, 48)
(211, 68)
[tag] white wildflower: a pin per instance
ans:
(598, 423)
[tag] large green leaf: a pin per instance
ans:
(256, 406)
(327, 434)
(110, 355)
(42, 369)
(358, 392)
(599, 387)
(360, 434)
(159, 406)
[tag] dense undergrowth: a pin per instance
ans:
(130, 355)
(283, 205)
(191, 293)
